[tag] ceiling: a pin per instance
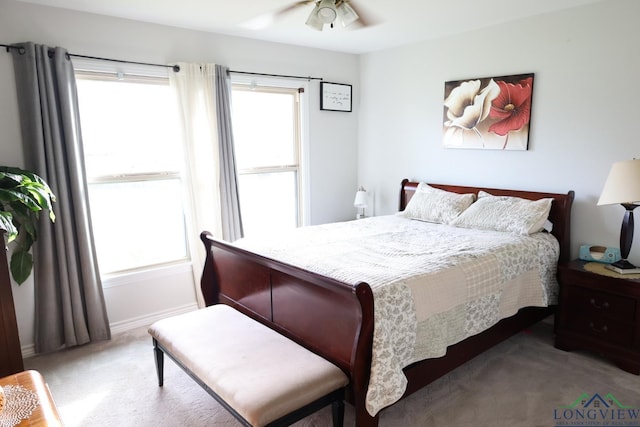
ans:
(398, 22)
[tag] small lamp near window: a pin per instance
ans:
(623, 187)
(360, 202)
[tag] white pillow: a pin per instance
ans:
(434, 205)
(505, 213)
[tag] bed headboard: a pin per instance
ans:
(560, 215)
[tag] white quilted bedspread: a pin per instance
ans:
(433, 285)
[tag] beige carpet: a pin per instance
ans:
(518, 383)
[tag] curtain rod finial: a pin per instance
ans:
(176, 68)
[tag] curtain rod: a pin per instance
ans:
(175, 68)
(275, 75)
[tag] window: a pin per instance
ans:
(267, 133)
(134, 162)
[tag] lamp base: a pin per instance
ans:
(623, 267)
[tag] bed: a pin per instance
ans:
(334, 316)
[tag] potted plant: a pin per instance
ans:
(23, 195)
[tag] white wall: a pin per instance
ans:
(585, 104)
(584, 114)
(332, 142)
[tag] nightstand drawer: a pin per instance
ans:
(610, 330)
(600, 313)
(590, 303)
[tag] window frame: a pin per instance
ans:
(301, 123)
(134, 73)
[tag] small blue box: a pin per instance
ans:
(599, 254)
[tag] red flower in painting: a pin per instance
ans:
(512, 106)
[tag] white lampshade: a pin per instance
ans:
(623, 183)
(361, 198)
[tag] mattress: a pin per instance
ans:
(433, 284)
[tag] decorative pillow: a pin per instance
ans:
(505, 213)
(434, 205)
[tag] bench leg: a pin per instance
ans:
(337, 412)
(159, 362)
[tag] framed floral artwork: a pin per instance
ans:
(488, 113)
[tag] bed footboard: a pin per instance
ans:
(329, 317)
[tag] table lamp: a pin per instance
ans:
(360, 202)
(623, 187)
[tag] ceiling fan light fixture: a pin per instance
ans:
(347, 15)
(314, 20)
(327, 12)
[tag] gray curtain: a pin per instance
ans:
(229, 200)
(69, 302)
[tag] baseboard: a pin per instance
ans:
(129, 324)
(28, 350)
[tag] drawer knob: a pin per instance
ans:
(603, 329)
(603, 306)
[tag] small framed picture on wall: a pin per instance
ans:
(335, 96)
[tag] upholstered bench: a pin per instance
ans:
(260, 376)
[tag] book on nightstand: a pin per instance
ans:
(630, 270)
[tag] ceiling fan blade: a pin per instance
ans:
(293, 6)
(365, 19)
(268, 19)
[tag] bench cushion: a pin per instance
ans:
(260, 373)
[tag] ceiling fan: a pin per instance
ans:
(323, 12)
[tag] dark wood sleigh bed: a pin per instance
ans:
(335, 319)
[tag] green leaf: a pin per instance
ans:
(21, 265)
(23, 195)
(24, 241)
(7, 223)
(9, 179)
(8, 195)
(41, 194)
(25, 220)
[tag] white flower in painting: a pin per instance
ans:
(467, 105)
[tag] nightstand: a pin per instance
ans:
(599, 313)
